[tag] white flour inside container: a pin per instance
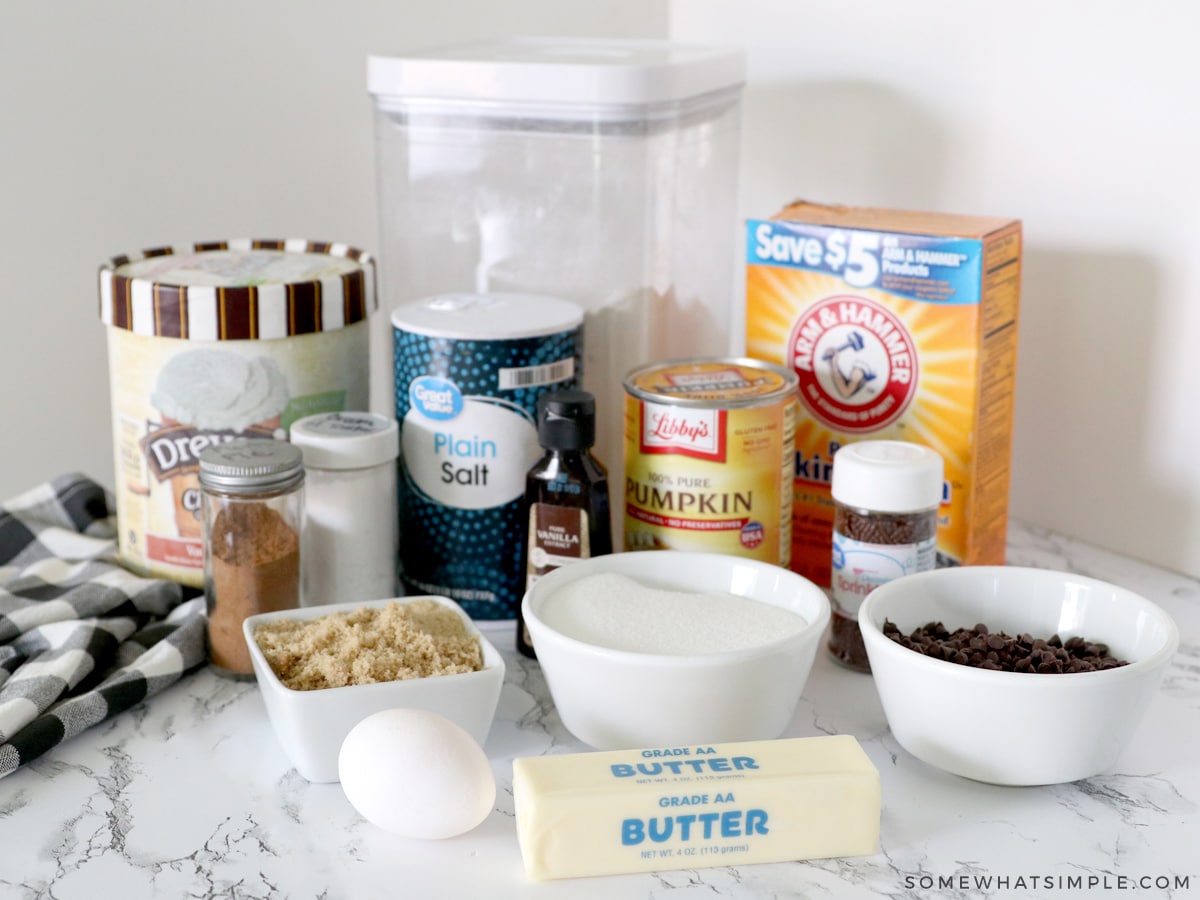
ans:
(622, 613)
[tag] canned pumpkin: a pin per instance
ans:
(709, 453)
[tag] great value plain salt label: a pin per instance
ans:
(466, 401)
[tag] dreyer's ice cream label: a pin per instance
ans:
(172, 398)
(204, 396)
(468, 436)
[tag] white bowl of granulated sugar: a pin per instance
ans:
(667, 648)
(323, 669)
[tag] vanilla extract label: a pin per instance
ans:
(558, 536)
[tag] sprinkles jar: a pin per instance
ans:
(886, 496)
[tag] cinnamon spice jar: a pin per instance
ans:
(885, 502)
(252, 503)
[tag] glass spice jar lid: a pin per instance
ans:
(247, 466)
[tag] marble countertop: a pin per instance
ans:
(189, 795)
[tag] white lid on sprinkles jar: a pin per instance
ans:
(492, 316)
(887, 476)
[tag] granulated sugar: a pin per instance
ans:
(622, 613)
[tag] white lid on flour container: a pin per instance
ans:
(587, 72)
(346, 440)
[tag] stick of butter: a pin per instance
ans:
(689, 807)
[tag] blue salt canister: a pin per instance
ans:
(469, 371)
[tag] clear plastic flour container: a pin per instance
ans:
(603, 172)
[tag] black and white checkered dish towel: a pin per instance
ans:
(81, 637)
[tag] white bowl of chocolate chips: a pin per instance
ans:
(1013, 675)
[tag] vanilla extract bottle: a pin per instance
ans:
(566, 494)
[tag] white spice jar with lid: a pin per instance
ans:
(351, 528)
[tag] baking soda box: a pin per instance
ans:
(901, 326)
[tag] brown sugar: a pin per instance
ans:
(396, 642)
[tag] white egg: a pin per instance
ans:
(416, 774)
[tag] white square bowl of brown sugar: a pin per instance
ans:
(323, 669)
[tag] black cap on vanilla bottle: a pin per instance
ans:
(567, 420)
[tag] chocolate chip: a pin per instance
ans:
(981, 648)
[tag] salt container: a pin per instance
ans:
(469, 370)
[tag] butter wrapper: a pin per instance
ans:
(690, 807)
